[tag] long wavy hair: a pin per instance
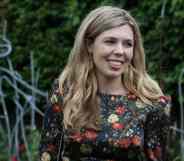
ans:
(81, 104)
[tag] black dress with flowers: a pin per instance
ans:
(130, 131)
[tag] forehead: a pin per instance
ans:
(124, 31)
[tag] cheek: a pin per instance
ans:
(96, 59)
(129, 54)
(99, 54)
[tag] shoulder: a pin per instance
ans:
(163, 104)
(159, 113)
(56, 94)
(55, 99)
(157, 110)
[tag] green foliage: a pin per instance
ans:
(163, 29)
(48, 29)
(33, 138)
(174, 151)
(3, 145)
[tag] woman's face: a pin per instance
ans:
(112, 50)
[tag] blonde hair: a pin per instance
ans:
(81, 104)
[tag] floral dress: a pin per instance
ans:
(130, 131)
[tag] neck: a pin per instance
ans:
(111, 86)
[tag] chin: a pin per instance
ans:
(114, 75)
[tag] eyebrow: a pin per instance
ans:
(114, 38)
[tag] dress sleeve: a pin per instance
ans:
(157, 131)
(51, 144)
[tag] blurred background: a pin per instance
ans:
(35, 39)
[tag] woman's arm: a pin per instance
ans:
(51, 144)
(157, 131)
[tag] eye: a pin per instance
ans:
(110, 41)
(128, 43)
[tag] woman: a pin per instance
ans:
(105, 106)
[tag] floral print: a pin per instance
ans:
(130, 130)
(45, 157)
(113, 118)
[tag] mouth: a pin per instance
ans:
(115, 64)
(115, 60)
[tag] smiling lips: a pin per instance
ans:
(115, 64)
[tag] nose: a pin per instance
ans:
(119, 49)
